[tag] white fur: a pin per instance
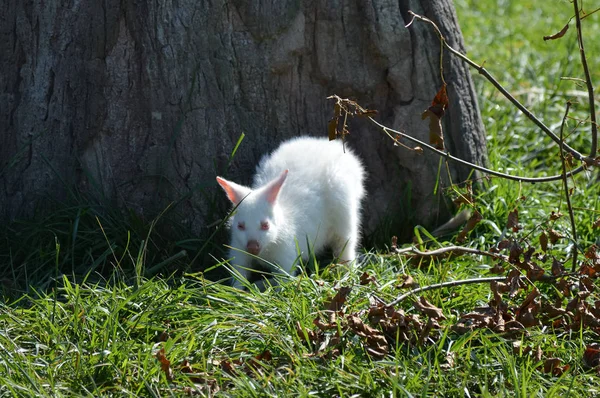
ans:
(319, 199)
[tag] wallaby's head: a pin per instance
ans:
(256, 221)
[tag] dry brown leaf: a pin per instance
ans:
(359, 327)
(198, 377)
(535, 293)
(528, 310)
(587, 270)
(230, 366)
(513, 279)
(586, 284)
(544, 241)
(337, 302)
(186, 367)
(592, 253)
(482, 317)
(332, 126)
(435, 113)
(376, 344)
(527, 317)
(552, 366)
(503, 244)
(428, 309)
(514, 328)
(497, 296)
(535, 272)
(165, 364)
(555, 236)
(497, 269)
(558, 35)
(435, 129)
(407, 281)
(325, 326)
(557, 268)
(163, 336)
(366, 279)
(441, 99)
(303, 334)
(528, 255)
(471, 223)
(257, 362)
(431, 324)
(515, 251)
(555, 215)
(513, 221)
(591, 355)
(537, 356)
(552, 312)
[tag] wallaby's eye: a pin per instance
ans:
(264, 225)
(242, 226)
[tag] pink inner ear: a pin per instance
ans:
(234, 192)
(228, 190)
(275, 186)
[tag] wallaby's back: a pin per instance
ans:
(307, 192)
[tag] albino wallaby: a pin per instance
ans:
(308, 191)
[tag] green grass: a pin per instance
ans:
(88, 302)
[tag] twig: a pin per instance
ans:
(467, 250)
(448, 156)
(449, 250)
(566, 186)
(521, 107)
(588, 80)
(590, 13)
(447, 284)
(545, 278)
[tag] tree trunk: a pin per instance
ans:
(142, 102)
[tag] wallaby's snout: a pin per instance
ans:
(253, 247)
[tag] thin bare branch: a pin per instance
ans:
(546, 278)
(588, 80)
(566, 187)
(450, 250)
(448, 156)
(511, 98)
(447, 284)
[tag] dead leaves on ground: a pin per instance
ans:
(378, 329)
(516, 305)
(568, 306)
(205, 383)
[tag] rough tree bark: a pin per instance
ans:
(142, 102)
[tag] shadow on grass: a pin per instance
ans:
(99, 242)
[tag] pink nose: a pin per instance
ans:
(253, 247)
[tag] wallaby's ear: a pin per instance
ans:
(235, 192)
(272, 189)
